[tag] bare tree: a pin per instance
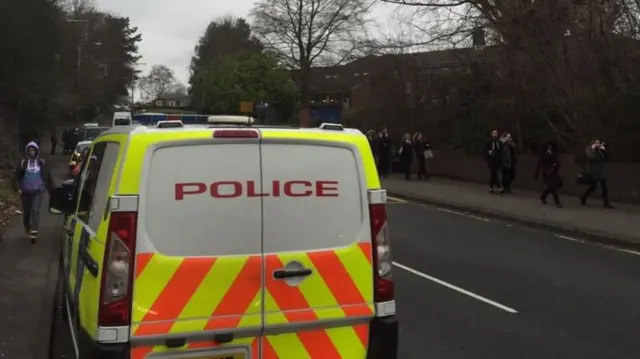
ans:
(566, 63)
(307, 32)
(159, 82)
(177, 90)
(77, 8)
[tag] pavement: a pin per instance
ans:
(619, 226)
(28, 281)
(470, 287)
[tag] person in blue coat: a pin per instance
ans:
(32, 179)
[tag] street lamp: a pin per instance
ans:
(78, 62)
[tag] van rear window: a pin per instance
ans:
(324, 208)
(189, 204)
(121, 122)
(238, 199)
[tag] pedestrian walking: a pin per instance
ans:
(371, 137)
(32, 179)
(549, 163)
(54, 140)
(420, 149)
(383, 144)
(66, 140)
(493, 156)
(594, 172)
(509, 161)
(406, 155)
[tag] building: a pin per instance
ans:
(373, 81)
(173, 101)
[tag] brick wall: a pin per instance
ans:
(623, 178)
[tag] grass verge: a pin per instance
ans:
(9, 203)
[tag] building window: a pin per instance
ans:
(334, 97)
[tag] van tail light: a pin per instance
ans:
(383, 283)
(117, 271)
(236, 134)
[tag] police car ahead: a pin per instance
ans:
(228, 241)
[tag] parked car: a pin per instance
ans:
(76, 155)
(90, 133)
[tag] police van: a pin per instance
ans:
(121, 118)
(227, 241)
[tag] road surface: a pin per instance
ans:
(475, 288)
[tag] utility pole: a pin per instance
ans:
(78, 65)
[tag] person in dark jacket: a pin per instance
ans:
(419, 147)
(509, 162)
(66, 140)
(383, 152)
(549, 163)
(493, 156)
(406, 155)
(596, 156)
(54, 140)
(31, 179)
(371, 137)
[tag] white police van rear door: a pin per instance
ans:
(198, 282)
(317, 247)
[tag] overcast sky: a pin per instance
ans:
(171, 28)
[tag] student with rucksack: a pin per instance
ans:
(32, 179)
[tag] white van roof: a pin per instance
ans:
(230, 120)
(122, 114)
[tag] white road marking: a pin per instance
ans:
(570, 238)
(396, 200)
(457, 289)
(578, 240)
(452, 212)
(624, 250)
(613, 248)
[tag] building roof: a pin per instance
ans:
(344, 77)
(173, 97)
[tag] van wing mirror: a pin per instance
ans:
(60, 200)
(69, 184)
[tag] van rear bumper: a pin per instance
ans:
(383, 338)
(383, 343)
(89, 349)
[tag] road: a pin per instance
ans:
(475, 288)
(529, 294)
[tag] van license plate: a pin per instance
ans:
(223, 356)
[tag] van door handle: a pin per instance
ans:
(69, 232)
(284, 274)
